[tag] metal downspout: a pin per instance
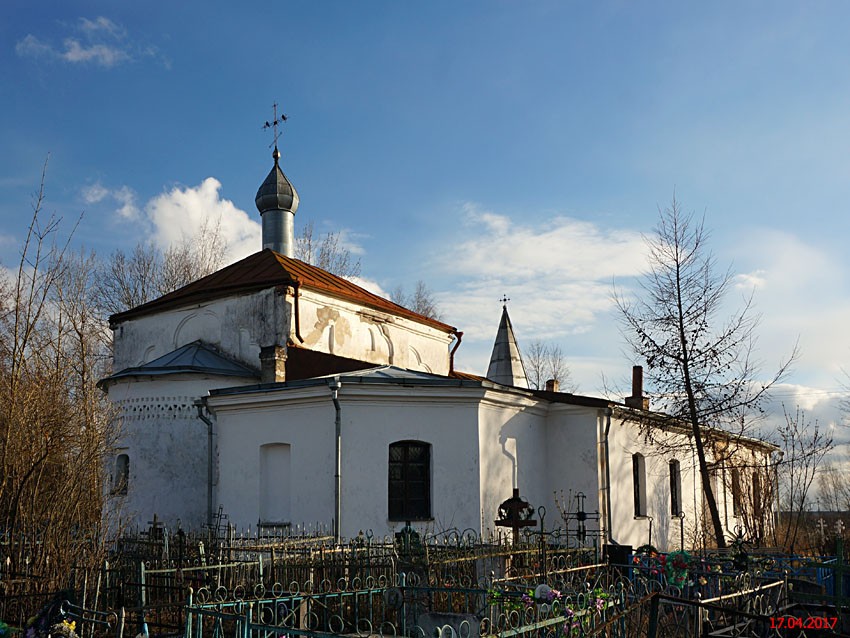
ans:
(335, 384)
(296, 285)
(201, 405)
(608, 526)
(459, 335)
(775, 498)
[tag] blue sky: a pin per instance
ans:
(488, 148)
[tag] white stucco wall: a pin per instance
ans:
(572, 459)
(238, 325)
(512, 448)
(158, 428)
(349, 330)
(625, 439)
(372, 418)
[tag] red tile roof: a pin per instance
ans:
(267, 269)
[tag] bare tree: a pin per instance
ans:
(545, 361)
(128, 280)
(834, 486)
(804, 446)
(327, 253)
(701, 367)
(422, 300)
(54, 421)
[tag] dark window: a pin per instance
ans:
(409, 485)
(757, 496)
(121, 478)
(736, 492)
(675, 488)
(639, 478)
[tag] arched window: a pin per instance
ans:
(121, 478)
(675, 488)
(409, 484)
(639, 479)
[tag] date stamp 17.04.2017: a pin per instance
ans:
(826, 623)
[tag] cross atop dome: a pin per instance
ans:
(277, 200)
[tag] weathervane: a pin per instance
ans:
(505, 299)
(274, 124)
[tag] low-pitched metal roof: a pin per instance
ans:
(194, 357)
(266, 269)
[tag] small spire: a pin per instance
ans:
(506, 365)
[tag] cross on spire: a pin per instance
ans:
(505, 299)
(274, 124)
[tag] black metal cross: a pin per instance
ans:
(505, 299)
(274, 123)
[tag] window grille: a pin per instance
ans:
(409, 484)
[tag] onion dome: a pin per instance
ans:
(276, 192)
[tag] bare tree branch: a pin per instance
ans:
(701, 367)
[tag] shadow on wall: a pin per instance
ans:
(521, 450)
(661, 522)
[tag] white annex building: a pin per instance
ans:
(283, 394)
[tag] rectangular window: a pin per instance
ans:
(758, 497)
(639, 480)
(736, 492)
(409, 482)
(675, 488)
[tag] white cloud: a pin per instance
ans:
(563, 248)
(123, 196)
(99, 41)
(101, 54)
(102, 24)
(371, 286)
(127, 198)
(802, 294)
(558, 275)
(32, 47)
(182, 211)
(95, 193)
(751, 281)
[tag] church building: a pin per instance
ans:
(282, 394)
